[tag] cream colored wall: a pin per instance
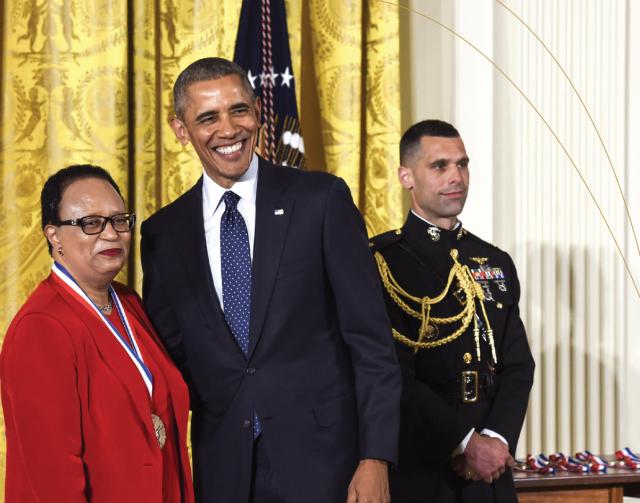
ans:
(536, 195)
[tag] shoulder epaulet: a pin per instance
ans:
(381, 241)
(482, 242)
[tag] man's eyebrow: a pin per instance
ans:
(237, 106)
(446, 160)
(206, 115)
(439, 160)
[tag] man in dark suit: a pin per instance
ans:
(261, 285)
(453, 303)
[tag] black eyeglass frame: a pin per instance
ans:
(80, 222)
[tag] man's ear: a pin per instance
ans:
(180, 130)
(405, 175)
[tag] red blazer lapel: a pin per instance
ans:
(113, 356)
(177, 388)
(154, 346)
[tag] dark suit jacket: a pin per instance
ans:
(77, 413)
(321, 371)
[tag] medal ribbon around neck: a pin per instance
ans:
(132, 349)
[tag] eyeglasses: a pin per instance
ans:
(95, 224)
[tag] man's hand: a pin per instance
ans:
(370, 483)
(485, 459)
(458, 464)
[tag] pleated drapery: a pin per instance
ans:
(89, 81)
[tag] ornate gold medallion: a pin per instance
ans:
(432, 332)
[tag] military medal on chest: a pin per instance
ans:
(484, 275)
(470, 291)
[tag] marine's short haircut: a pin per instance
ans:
(202, 70)
(56, 184)
(410, 140)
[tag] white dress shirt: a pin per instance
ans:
(486, 431)
(213, 207)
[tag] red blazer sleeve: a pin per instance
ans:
(42, 408)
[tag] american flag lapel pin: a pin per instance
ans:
(278, 211)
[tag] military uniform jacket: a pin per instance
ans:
(434, 418)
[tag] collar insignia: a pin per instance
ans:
(434, 233)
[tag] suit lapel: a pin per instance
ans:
(193, 249)
(273, 214)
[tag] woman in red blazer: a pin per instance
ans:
(94, 409)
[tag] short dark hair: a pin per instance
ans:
(56, 184)
(205, 69)
(433, 127)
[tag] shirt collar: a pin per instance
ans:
(246, 187)
(454, 228)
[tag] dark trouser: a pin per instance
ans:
(263, 486)
(423, 485)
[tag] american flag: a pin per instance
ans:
(262, 49)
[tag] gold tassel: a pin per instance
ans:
(476, 336)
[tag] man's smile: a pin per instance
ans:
(229, 149)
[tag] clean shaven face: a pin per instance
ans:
(437, 176)
(222, 122)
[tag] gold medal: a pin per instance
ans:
(160, 430)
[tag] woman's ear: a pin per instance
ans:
(51, 233)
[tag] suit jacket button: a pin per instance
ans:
(251, 371)
(246, 423)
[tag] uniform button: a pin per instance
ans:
(467, 358)
(246, 423)
(499, 305)
(251, 371)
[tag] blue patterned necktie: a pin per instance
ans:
(235, 264)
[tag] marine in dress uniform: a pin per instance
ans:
(452, 299)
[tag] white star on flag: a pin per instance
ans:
(273, 76)
(286, 77)
(252, 79)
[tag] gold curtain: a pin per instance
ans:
(89, 81)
